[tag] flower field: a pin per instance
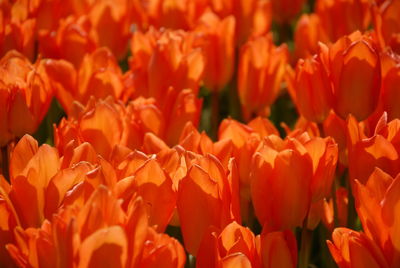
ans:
(200, 133)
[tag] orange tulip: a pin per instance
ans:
(261, 70)
(313, 90)
(217, 249)
(390, 80)
(160, 250)
(278, 249)
(387, 25)
(193, 141)
(183, 65)
(314, 161)
(99, 75)
(253, 18)
(211, 191)
(110, 23)
(245, 140)
(281, 170)
(366, 153)
(343, 17)
(308, 33)
(218, 44)
(129, 123)
(354, 249)
(174, 14)
(19, 36)
(237, 246)
(96, 235)
(355, 71)
(284, 11)
(147, 178)
(25, 96)
(41, 173)
(376, 203)
(336, 127)
(71, 41)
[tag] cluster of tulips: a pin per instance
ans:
(200, 133)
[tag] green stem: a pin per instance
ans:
(305, 248)
(214, 113)
(4, 162)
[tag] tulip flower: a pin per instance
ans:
(253, 18)
(175, 14)
(218, 248)
(336, 127)
(386, 24)
(261, 70)
(308, 33)
(313, 90)
(18, 36)
(111, 26)
(212, 192)
(153, 184)
(129, 123)
(278, 249)
(183, 64)
(354, 249)
(366, 153)
(245, 140)
(193, 141)
(355, 71)
(97, 235)
(314, 160)
(343, 17)
(218, 44)
(71, 41)
(284, 11)
(390, 80)
(25, 96)
(99, 75)
(376, 203)
(273, 179)
(237, 246)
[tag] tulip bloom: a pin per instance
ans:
(110, 25)
(183, 64)
(285, 10)
(71, 41)
(376, 204)
(390, 81)
(313, 90)
(343, 17)
(314, 161)
(278, 249)
(233, 242)
(99, 75)
(354, 249)
(387, 25)
(213, 193)
(280, 173)
(25, 96)
(99, 233)
(355, 71)
(381, 150)
(245, 140)
(19, 36)
(261, 70)
(253, 18)
(218, 44)
(129, 123)
(308, 33)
